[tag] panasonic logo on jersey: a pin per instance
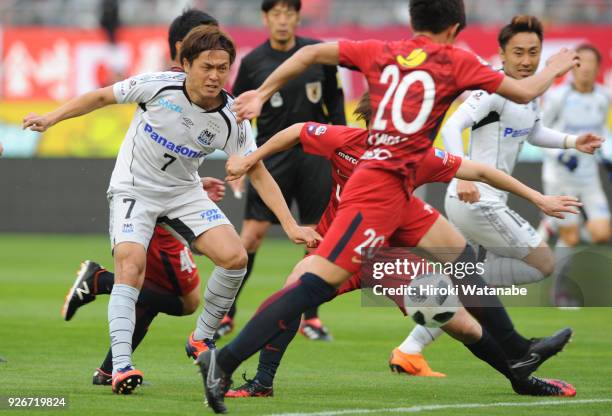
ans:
(178, 149)
(516, 133)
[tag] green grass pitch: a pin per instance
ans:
(49, 357)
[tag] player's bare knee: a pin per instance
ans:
(600, 234)
(234, 260)
(600, 238)
(191, 302)
(128, 271)
(252, 234)
(570, 237)
(252, 240)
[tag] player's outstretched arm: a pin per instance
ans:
(527, 89)
(549, 138)
(237, 166)
(554, 206)
(272, 196)
(76, 107)
(248, 104)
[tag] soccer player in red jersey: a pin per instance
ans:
(412, 83)
(343, 146)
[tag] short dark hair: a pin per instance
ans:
(267, 5)
(590, 47)
(436, 16)
(206, 38)
(363, 111)
(520, 24)
(191, 18)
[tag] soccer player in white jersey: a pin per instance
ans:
(516, 253)
(181, 118)
(577, 107)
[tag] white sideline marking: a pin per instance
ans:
(416, 409)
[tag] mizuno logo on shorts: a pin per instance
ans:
(178, 149)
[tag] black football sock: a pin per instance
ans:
(143, 320)
(271, 354)
(160, 300)
(312, 313)
(107, 364)
(490, 352)
(103, 282)
(489, 311)
(251, 260)
(144, 317)
(272, 317)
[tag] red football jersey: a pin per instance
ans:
(412, 84)
(343, 146)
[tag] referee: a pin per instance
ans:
(306, 179)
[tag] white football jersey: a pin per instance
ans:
(500, 127)
(576, 113)
(170, 136)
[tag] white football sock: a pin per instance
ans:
(419, 338)
(121, 321)
(507, 271)
(219, 296)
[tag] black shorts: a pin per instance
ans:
(303, 178)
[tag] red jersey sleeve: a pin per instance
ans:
(474, 73)
(321, 139)
(437, 166)
(359, 55)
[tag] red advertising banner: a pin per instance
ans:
(55, 64)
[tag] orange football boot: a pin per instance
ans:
(412, 364)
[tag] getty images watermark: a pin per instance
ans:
(579, 277)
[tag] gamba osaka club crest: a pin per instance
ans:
(205, 138)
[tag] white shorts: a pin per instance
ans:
(494, 226)
(595, 204)
(134, 214)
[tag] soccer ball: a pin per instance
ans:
(432, 300)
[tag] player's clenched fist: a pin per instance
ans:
(304, 235)
(248, 105)
(563, 61)
(468, 192)
(588, 143)
(36, 122)
(236, 167)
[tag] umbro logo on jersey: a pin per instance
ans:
(187, 122)
(414, 59)
(170, 105)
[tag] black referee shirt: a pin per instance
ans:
(313, 96)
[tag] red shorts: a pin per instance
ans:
(170, 264)
(374, 211)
